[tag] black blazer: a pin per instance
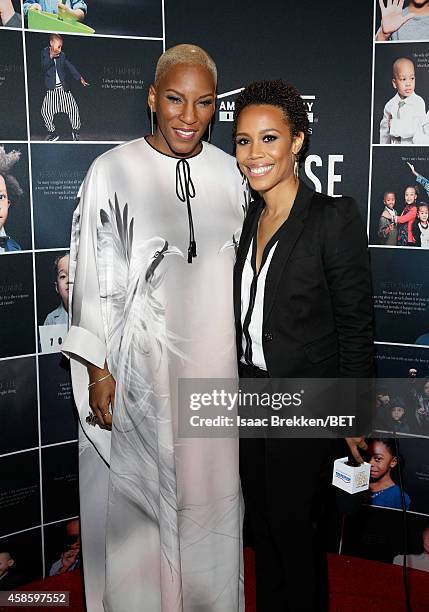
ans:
(48, 67)
(318, 315)
(416, 233)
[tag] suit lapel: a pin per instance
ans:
(288, 236)
(247, 233)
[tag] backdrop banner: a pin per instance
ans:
(365, 143)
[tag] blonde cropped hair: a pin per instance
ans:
(184, 54)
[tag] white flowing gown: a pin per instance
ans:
(164, 520)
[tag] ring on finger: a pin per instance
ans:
(91, 419)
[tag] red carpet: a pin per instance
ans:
(356, 585)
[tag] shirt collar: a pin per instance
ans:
(408, 100)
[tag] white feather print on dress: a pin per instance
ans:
(129, 297)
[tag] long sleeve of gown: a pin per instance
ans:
(86, 338)
(86, 341)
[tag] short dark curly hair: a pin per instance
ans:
(7, 161)
(284, 96)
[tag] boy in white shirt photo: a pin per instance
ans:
(406, 110)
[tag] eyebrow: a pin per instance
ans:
(183, 95)
(261, 132)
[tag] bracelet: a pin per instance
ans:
(99, 380)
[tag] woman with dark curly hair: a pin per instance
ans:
(303, 309)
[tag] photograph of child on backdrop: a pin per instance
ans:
(74, 9)
(402, 21)
(399, 204)
(124, 18)
(10, 15)
(88, 88)
(401, 94)
(402, 113)
(59, 98)
(15, 220)
(10, 192)
(53, 275)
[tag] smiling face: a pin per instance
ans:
(56, 45)
(404, 79)
(4, 202)
(423, 214)
(390, 200)
(382, 460)
(184, 103)
(410, 195)
(265, 147)
(62, 282)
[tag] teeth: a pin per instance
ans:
(185, 132)
(261, 169)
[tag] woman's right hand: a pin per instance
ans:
(102, 395)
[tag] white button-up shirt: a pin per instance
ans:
(400, 121)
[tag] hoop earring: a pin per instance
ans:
(152, 130)
(210, 132)
(296, 167)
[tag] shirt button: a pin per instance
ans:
(268, 336)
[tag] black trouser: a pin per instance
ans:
(284, 481)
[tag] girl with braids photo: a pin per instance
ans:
(383, 490)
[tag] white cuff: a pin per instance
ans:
(82, 344)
